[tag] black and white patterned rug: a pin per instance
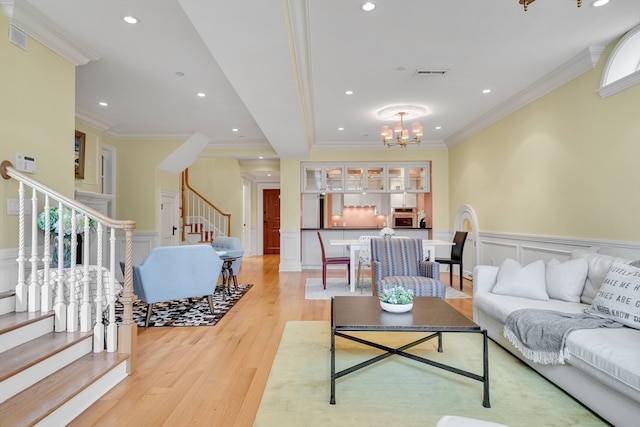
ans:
(185, 312)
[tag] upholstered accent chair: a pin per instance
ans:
(232, 246)
(176, 272)
(398, 262)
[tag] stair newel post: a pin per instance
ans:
(21, 287)
(98, 327)
(85, 307)
(34, 289)
(59, 307)
(47, 295)
(72, 308)
(128, 332)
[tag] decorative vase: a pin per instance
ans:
(396, 308)
(423, 224)
(66, 248)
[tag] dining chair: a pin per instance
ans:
(459, 240)
(364, 257)
(332, 261)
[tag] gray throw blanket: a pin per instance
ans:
(540, 335)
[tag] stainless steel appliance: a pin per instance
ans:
(404, 218)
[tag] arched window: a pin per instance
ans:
(622, 69)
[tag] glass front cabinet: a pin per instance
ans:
(322, 179)
(363, 178)
(412, 178)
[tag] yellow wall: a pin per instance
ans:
(219, 180)
(37, 110)
(567, 164)
(138, 182)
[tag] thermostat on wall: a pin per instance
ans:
(25, 163)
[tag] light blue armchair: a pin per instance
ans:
(233, 248)
(176, 272)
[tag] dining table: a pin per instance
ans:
(354, 245)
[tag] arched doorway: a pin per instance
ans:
(466, 220)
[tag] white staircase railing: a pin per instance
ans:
(201, 217)
(81, 295)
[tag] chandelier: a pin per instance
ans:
(402, 137)
(526, 3)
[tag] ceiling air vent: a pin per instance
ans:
(17, 37)
(430, 72)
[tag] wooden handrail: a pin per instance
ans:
(185, 185)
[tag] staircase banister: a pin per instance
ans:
(204, 199)
(8, 171)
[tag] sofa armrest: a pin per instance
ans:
(484, 277)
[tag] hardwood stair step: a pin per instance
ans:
(42, 399)
(17, 359)
(7, 294)
(11, 321)
(7, 302)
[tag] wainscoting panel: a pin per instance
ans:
(290, 250)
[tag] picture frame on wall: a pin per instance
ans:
(79, 154)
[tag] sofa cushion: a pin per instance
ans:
(565, 281)
(499, 306)
(518, 281)
(598, 268)
(619, 295)
(609, 355)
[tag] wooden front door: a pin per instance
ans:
(271, 221)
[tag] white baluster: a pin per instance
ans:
(59, 307)
(98, 327)
(34, 288)
(72, 307)
(47, 294)
(21, 288)
(85, 307)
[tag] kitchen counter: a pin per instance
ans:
(356, 228)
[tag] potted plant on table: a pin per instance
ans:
(396, 299)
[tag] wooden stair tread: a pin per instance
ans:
(30, 353)
(11, 321)
(41, 399)
(7, 294)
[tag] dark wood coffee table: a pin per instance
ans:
(429, 314)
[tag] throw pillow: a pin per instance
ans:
(518, 281)
(598, 267)
(619, 295)
(565, 281)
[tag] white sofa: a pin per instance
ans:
(603, 369)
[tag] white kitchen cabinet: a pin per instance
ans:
(322, 178)
(310, 210)
(403, 200)
(336, 204)
(361, 199)
(409, 177)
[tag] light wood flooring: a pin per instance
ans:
(215, 376)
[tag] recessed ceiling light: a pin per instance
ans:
(340, 128)
(102, 103)
(261, 157)
(130, 19)
(234, 130)
(348, 92)
(438, 127)
(486, 91)
(268, 174)
(201, 94)
(368, 6)
(599, 3)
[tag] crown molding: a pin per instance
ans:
(579, 64)
(377, 145)
(29, 20)
(93, 121)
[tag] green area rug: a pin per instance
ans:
(401, 392)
